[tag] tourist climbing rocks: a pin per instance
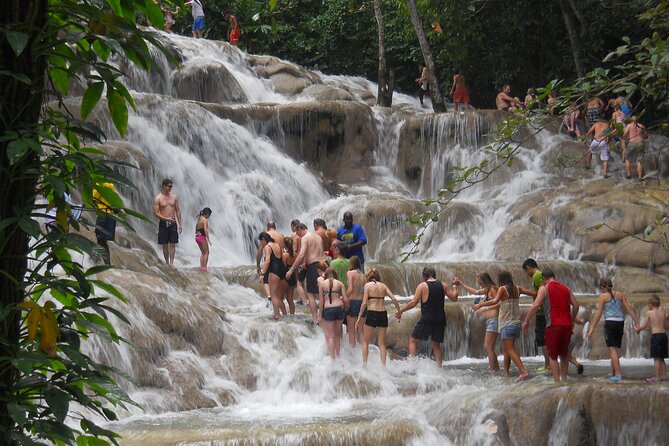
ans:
(657, 319)
(600, 134)
(612, 305)
(431, 294)
(202, 237)
(423, 84)
(560, 308)
(275, 270)
(331, 315)
(311, 252)
(532, 269)
(353, 238)
(459, 91)
(376, 322)
(634, 147)
(198, 17)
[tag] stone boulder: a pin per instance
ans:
(285, 77)
(207, 81)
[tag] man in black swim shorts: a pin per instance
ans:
(431, 294)
(166, 209)
(311, 252)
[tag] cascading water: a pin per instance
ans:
(255, 139)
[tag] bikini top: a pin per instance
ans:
(376, 297)
(329, 294)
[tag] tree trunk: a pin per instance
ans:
(573, 38)
(435, 93)
(582, 20)
(20, 112)
(384, 96)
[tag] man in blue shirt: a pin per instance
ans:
(353, 238)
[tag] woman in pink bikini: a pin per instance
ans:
(202, 237)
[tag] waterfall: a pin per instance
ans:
(257, 138)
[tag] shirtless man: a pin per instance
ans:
(278, 239)
(459, 91)
(311, 251)
(422, 81)
(600, 133)
(506, 102)
(166, 209)
(634, 147)
(320, 228)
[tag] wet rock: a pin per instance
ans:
(328, 93)
(207, 81)
(286, 78)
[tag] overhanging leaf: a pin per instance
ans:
(91, 98)
(17, 40)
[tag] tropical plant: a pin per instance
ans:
(49, 301)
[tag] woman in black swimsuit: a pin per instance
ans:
(373, 298)
(277, 270)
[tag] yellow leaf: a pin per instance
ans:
(49, 330)
(61, 219)
(34, 317)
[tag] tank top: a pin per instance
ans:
(509, 311)
(613, 309)
(433, 309)
(557, 305)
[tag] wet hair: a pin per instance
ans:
(607, 284)
(294, 222)
(654, 301)
(428, 272)
(373, 275)
(205, 211)
(547, 273)
(330, 273)
(485, 278)
(265, 236)
(167, 181)
(288, 243)
(322, 266)
(320, 222)
(504, 277)
(530, 263)
(271, 224)
(354, 263)
(301, 226)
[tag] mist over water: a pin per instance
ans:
(207, 364)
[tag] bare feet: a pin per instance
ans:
(522, 376)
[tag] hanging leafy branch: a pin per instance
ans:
(49, 301)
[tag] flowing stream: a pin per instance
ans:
(208, 367)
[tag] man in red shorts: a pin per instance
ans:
(556, 299)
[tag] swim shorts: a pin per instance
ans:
(557, 340)
(602, 147)
(511, 331)
(658, 346)
(613, 333)
(539, 331)
(105, 228)
(491, 325)
(377, 318)
(354, 308)
(426, 330)
(198, 23)
(635, 151)
(167, 232)
(333, 314)
(312, 278)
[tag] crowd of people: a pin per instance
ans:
(329, 266)
(197, 11)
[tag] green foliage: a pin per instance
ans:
(43, 370)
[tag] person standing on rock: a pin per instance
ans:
(376, 321)
(270, 228)
(431, 293)
(166, 209)
(613, 305)
(600, 133)
(459, 91)
(311, 251)
(202, 237)
(198, 17)
(532, 269)
(275, 270)
(555, 299)
(235, 31)
(353, 239)
(508, 298)
(423, 83)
